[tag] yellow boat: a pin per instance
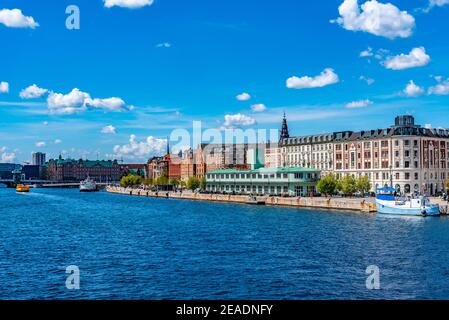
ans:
(22, 188)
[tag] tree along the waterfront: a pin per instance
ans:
(203, 183)
(175, 182)
(348, 185)
(193, 183)
(363, 184)
(328, 185)
(130, 180)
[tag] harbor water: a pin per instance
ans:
(147, 248)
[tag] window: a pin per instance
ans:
(416, 176)
(407, 176)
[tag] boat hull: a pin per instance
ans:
(88, 190)
(383, 207)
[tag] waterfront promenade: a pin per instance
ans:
(346, 204)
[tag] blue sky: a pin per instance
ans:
(172, 62)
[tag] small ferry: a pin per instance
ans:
(388, 203)
(88, 185)
(22, 188)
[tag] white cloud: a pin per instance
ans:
(377, 18)
(413, 90)
(435, 3)
(71, 103)
(368, 81)
(57, 141)
(3, 149)
(78, 101)
(111, 104)
(327, 77)
(367, 53)
(358, 104)
(132, 4)
(237, 121)
(45, 123)
(441, 89)
(243, 96)
(416, 58)
(260, 107)
(15, 19)
(109, 130)
(40, 144)
(163, 45)
(4, 87)
(32, 92)
(8, 157)
(139, 149)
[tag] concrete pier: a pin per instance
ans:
(345, 204)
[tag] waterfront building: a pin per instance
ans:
(38, 158)
(174, 166)
(157, 167)
(410, 157)
(32, 172)
(314, 151)
(212, 157)
(264, 181)
(6, 170)
(132, 168)
(77, 170)
(273, 156)
(188, 165)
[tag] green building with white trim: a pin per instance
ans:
(294, 181)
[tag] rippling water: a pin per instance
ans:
(143, 248)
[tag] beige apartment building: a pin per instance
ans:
(410, 157)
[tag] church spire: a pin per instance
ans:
(168, 145)
(284, 129)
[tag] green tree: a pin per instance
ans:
(327, 185)
(130, 180)
(162, 181)
(348, 185)
(193, 183)
(148, 182)
(203, 183)
(175, 182)
(363, 184)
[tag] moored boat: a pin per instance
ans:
(22, 188)
(253, 200)
(388, 203)
(88, 185)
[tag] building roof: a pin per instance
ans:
(404, 126)
(266, 170)
(86, 163)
